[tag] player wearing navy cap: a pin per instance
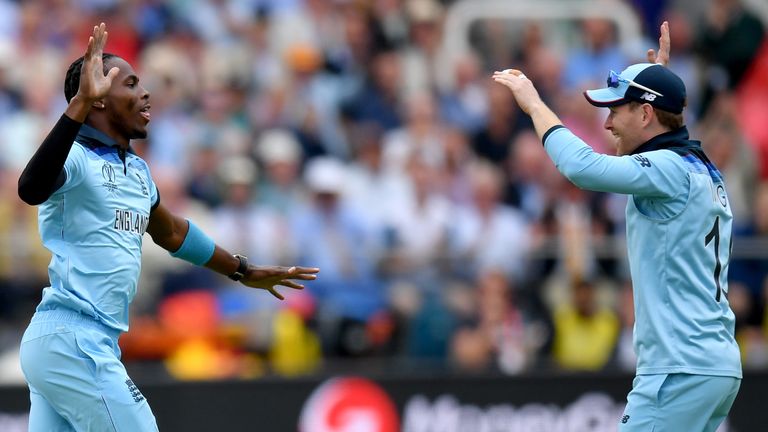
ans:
(678, 241)
(96, 199)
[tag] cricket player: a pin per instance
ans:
(678, 241)
(96, 199)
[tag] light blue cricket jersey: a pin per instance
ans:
(678, 244)
(93, 225)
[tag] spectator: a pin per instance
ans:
(483, 232)
(464, 103)
(378, 98)
(419, 57)
(585, 332)
(417, 228)
(280, 157)
(492, 142)
(336, 237)
(586, 65)
(506, 332)
(421, 135)
(728, 40)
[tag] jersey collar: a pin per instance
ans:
(93, 137)
(677, 138)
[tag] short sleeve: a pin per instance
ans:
(154, 194)
(75, 168)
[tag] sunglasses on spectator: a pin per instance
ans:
(614, 79)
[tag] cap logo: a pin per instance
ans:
(648, 96)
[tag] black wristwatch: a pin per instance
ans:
(241, 269)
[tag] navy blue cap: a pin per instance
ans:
(643, 82)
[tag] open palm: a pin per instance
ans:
(93, 83)
(268, 277)
(662, 57)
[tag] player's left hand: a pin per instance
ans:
(662, 57)
(269, 277)
(94, 84)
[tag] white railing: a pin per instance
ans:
(462, 14)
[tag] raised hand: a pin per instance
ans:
(662, 57)
(268, 277)
(93, 83)
(523, 90)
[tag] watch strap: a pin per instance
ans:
(241, 268)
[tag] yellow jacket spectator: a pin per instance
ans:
(585, 334)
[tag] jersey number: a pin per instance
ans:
(715, 234)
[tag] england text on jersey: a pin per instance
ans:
(128, 220)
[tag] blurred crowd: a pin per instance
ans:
(328, 133)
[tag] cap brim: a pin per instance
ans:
(605, 97)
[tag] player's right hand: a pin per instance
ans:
(522, 88)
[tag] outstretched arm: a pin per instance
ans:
(580, 163)
(662, 57)
(44, 173)
(185, 241)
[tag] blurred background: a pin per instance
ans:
(365, 137)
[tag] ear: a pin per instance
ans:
(99, 104)
(648, 114)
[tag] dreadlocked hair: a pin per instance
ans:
(72, 81)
